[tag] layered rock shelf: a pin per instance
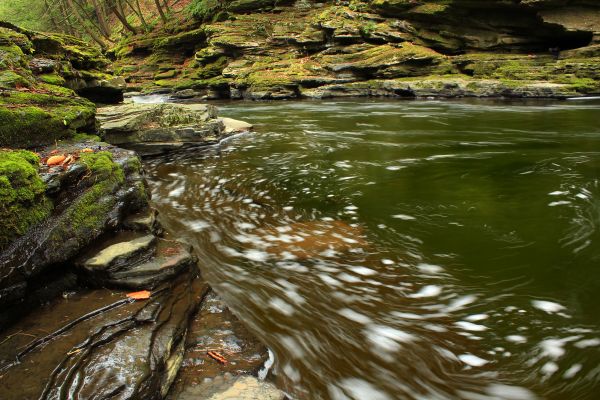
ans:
(392, 48)
(153, 129)
(96, 299)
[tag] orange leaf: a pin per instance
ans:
(216, 356)
(143, 295)
(55, 160)
(87, 150)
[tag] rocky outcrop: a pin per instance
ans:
(293, 50)
(152, 129)
(41, 78)
(68, 207)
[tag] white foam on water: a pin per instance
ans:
(404, 217)
(559, 203)
(572, 371)
(469, 326)
(506, 392)
(547, 306)
(472, 360)
(477, 317)
(177, 192)
(364, 271)
(461, 302)
(354, 316)
(516, 339)
(582, 344)
(427, 291)
(256, 255)
(281, 306)
(197, 225)
(430, 268)
(387, 339)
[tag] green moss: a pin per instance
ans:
(166, 75)
(30, 119)
(23, 202)
(85, 137)
(102, 166)
(10, 80)
(52, 79)
(91, 209)
(210, 70)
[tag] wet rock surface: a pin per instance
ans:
(157, 128)
(133, 261)
(99, 344)
(89, 197)
(216, 328)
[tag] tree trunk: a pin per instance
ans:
(113, 6)
(101, 19)
(82, 23)
(160, 11)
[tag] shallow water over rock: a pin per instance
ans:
(417, 249)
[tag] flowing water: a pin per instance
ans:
(405, 249)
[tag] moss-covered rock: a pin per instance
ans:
(70, 206)
(23, 202)
(30, 119)
(264, 52)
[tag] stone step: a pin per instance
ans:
(117, 254)
(170, 258)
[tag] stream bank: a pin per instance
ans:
(97, 300)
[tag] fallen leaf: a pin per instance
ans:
(69, 159)
(87, 150)
(143, 295)
(54, 151)
(55, 160)
(216, 356)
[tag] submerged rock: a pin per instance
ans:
(99, 344)
(304, 240)
(157, 128)
(216, 328)
(229, 387)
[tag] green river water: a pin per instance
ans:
(405, 249)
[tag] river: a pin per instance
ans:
(404, 249)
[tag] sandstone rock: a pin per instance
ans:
(118, 253)
(242, 387)
(155, 128)
(235, 126)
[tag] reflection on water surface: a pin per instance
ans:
(415, 249)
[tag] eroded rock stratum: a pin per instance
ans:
(398, 48)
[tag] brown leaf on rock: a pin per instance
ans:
(141, 295)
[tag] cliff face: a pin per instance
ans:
(261, 49)
(41, 78)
